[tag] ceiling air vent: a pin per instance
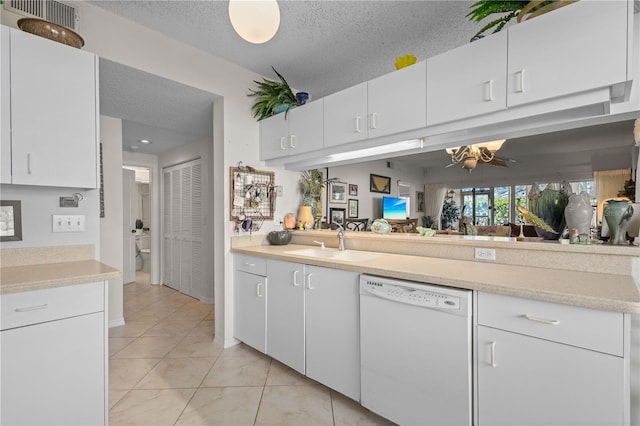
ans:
(50, 10)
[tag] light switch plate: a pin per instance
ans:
(485, 253)
(69, 223)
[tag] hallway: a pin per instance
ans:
(164, 369)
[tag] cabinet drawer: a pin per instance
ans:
(252, 264)
(587, 328)
(32, 307)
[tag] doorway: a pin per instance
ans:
(137, 205)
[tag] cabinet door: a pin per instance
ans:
(5, 107)
(250, 310)
(397, 102)
(274, 137)
(468, 81)
(525, 380)
(332, 329)
(286, 314)
(306, 128)
(562, 53)
(345, 116)
(53, 113)
(54, 373)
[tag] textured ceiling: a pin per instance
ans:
(321, 47)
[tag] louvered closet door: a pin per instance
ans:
(183, 228)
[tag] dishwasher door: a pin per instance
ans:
(416, 360)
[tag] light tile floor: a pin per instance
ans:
(164, 369)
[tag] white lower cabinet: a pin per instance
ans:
(535, 364)
(332, 301)
(53, 357)
(312, 319)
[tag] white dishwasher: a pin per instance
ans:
(415, 343)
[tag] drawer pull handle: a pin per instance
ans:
(542, 320)
(358, 129)
(493, 355)
(258, 288)
(295, 279)
(374, 120)
(32, 308)
(249, 264)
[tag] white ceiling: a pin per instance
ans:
(321, 47)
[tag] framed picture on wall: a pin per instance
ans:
(380, 184)
(337, 215)
(353, 208)
(10, 220)
(338, 193)
(419, 201)
(353, 190)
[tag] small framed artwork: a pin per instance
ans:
(337, 215)
(353, 208)
(353, 190)
(419, 201)
(10, 220)
(379, 183)
(338, 193)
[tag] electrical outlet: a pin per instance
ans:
(485, 253)
(69, 223)
(278, 191)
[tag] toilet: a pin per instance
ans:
(143, 253)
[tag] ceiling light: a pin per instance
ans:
(144, 141)
(377, 150)
(470, 155)
(133, 147)
(256, 21)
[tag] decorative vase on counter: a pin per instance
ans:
(617, 214)
(549, 206)
(305, 217)
(578, 213)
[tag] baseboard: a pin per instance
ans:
(230, 342)
(207, 300)
(116, 322)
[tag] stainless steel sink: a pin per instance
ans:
(334, 254)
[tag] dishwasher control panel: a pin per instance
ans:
(410, 294)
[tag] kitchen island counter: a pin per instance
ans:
(605, 291)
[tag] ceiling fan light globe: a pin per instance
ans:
(470, 163)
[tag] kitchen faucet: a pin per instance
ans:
(340, 237)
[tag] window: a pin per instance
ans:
(496, 205)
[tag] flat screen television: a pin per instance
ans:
(395, 207)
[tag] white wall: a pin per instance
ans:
(111, 228)
(38, 204)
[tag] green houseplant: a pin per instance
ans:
(311, 184)
(271, 95)
(508, 10)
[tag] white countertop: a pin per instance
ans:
(611, 292)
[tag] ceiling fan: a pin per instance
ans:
(482, 153)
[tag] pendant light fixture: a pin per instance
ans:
(256, 21)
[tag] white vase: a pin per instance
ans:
(578, 213)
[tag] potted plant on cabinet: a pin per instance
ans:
(272, 97)
(508, 10)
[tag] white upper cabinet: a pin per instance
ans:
(468, 81)
(345, 116)
(301, 131)
(54, 113)
(5, 107)
(396, 102)
(576, 48)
